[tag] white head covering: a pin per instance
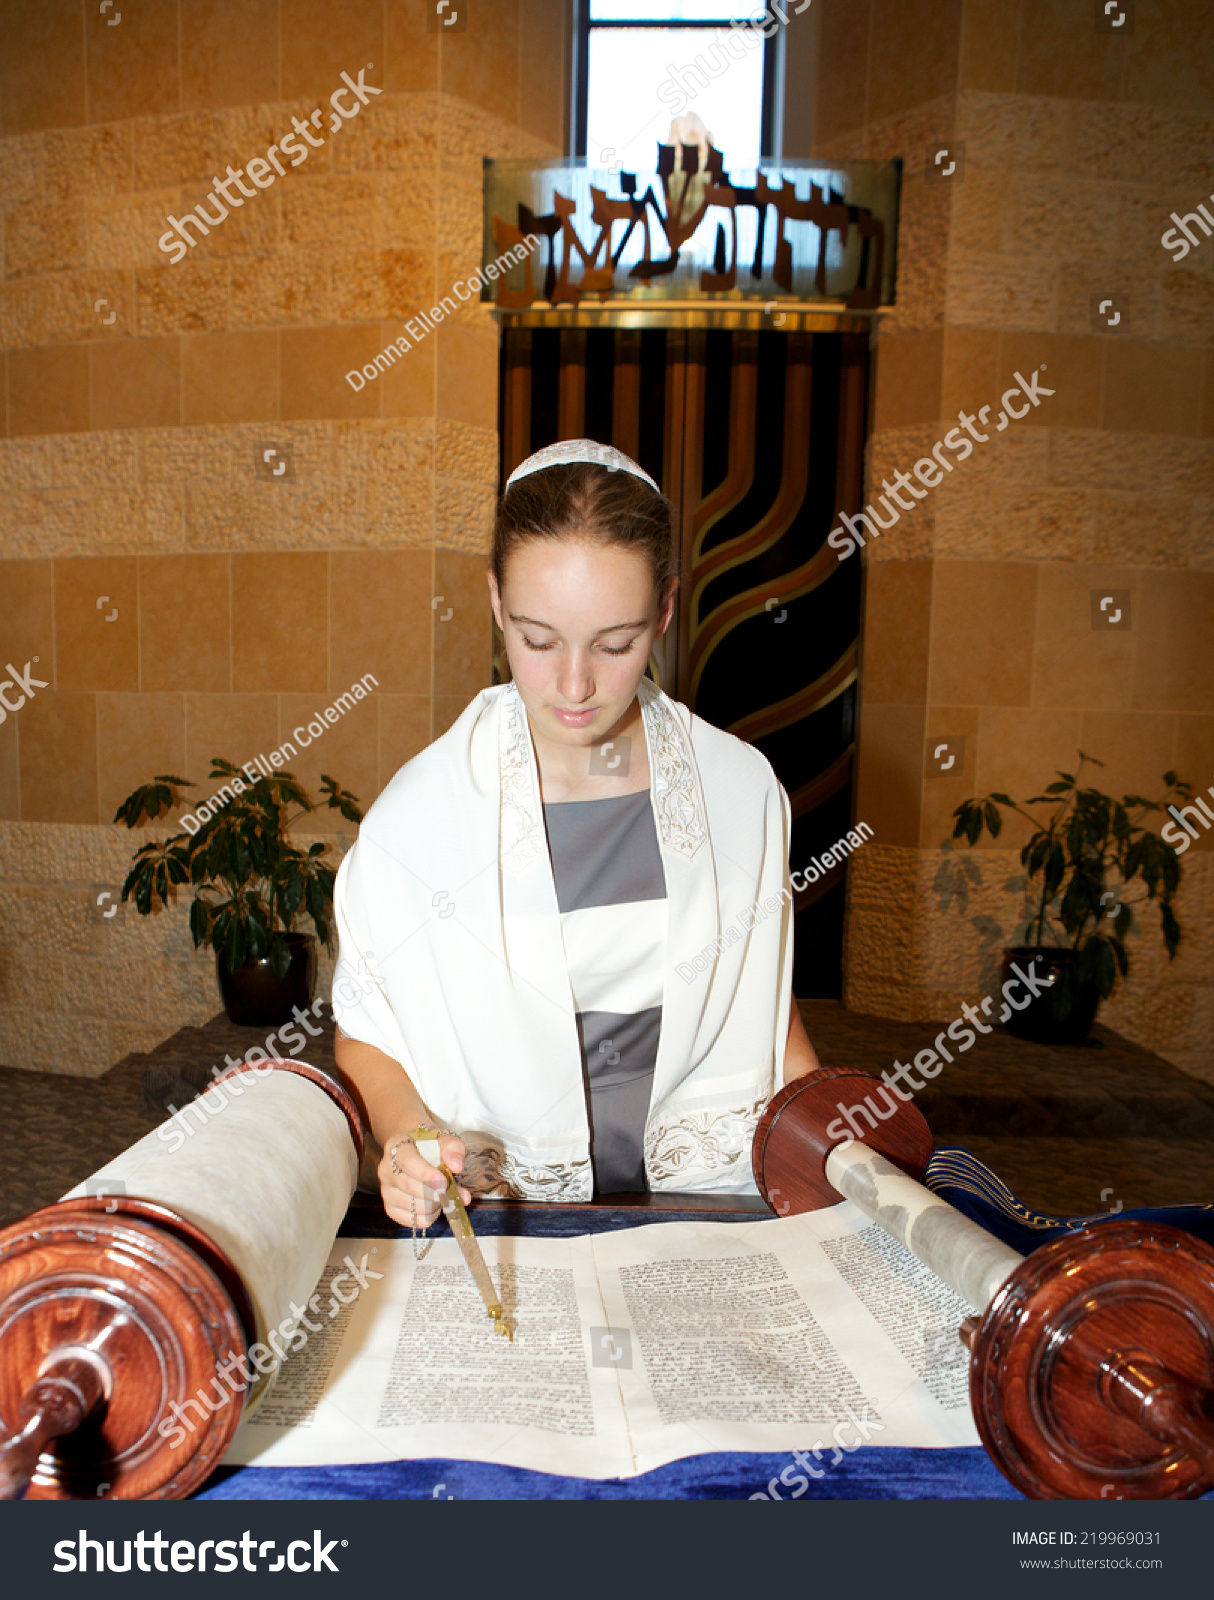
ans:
(568, 450)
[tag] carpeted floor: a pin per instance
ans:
(1072, 1130)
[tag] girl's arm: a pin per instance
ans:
(395, 1108)
(799, 1055)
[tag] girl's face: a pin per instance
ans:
(579, 621)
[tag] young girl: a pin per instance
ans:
(566, 928)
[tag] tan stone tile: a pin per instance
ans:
(138, 737)
(481, 65)
(135, 75)
(185, 622)
(1071, 367)
(908, 380)
(229, 377)
(1137, 748)
(48, 390)
(914, 54)
(28, 589)
(10, 771)
(317, 37)
(941, 795)
(1194, 764)
(91, 651)
(1172, 65)
(544, 45)
(990, 37)
(412, 53)
(1075, 664)
(41, 67)
(280, 610)
(897, 624)
(447, 709)
(841, 101)
(889, 771)
(382, 619)
(1177, 621)
(1151, 388)
(235, 727)
(1020, 750)
(136, 383)
(467, 375)
(1061, 54)
(58, 741)
(407, 388)
(229, 53)
(404, 731)
(982, 633)
(463, 644)
(347, 750)
(314, 366)
(970, 369)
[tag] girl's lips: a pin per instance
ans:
(575, 719)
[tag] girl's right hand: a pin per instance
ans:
(418, 1181)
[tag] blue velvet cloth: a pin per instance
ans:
(865, 1474)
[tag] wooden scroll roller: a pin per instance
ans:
(120, 1310)
(1091, 1360)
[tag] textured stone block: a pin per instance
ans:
(43, 236)
(123, 229)
(22, 168)
(86, 162)
(190, 297)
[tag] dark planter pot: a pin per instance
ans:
(255, 996)
(1061, 1015)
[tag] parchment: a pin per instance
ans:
(631, 1349)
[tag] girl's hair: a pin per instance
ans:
(585, 500)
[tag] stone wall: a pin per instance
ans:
(1073, 148)
(181, 603)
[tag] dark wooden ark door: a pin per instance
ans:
(757, 438)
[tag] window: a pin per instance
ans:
(643, 63)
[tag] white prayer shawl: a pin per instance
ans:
(452, 961)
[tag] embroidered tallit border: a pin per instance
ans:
(704, 1140)
(491, 1170)
(675, 793)
(522, 837)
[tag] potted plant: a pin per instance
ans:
(250, 883)
(1079, 860)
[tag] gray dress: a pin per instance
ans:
(611, 892)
